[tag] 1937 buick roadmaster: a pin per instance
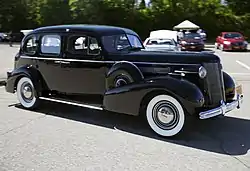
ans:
(107, 68)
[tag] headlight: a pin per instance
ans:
(183, 42)
(245, 42)
(227, 42)
(202, 72)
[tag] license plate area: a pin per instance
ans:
(236, 47)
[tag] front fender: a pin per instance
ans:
(229, 85)
(28, 71)
(128, 99)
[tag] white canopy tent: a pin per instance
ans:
(25, 32)
(186, 25)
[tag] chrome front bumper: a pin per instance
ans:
(223, 109)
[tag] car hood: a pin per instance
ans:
(166, 57)
(193, 40)
(161, 47)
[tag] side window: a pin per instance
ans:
(30, 46)
(83, 45)
(78, 45)
(94, 48)
(51, 44)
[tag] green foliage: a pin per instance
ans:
(161, 14)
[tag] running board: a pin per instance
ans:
(71, 103)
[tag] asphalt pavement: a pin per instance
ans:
(61, 137)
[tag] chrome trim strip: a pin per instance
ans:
(223, 109)
(154, 63)
(186, 72)
(108, 62)
(69, 60)
(71, 103)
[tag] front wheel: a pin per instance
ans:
(26, 93)
(165, 115)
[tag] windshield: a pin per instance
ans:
(160, 42)
(232, 35)
(192, 36)
(116, 43)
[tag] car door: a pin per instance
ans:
(49, 60)
(83, 66)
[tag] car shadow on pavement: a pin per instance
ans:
(226, 135)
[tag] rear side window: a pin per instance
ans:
(51, 44)
(83, 45)
(78, 45)
(30, 46)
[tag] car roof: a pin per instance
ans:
(230, 32)
(101, 30)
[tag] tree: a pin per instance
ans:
(240, 7)
(142, 4)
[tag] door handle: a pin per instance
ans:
(57, 62)
(65, 62)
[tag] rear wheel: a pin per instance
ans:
(26, 93)
(165, 115)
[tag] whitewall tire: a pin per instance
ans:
(165, 115)
(26, 93)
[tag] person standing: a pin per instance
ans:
(10, 38)
(180, 34)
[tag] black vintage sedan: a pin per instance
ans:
(107, 68)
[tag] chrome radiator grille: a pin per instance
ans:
(213, 84)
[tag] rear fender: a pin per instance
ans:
(128, 69)
(128, 99)
(28, 71)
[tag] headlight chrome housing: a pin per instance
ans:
(202, 72)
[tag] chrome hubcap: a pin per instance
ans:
(165, 115)
(27, 92)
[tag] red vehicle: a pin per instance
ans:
(231, 41)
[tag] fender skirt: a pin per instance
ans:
(28, 71)
(127, 99)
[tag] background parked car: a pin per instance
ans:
(161, 44)
(3, 37)
(192, 41)
(162, 40)
(231, 41)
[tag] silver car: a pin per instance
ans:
(161, 44)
